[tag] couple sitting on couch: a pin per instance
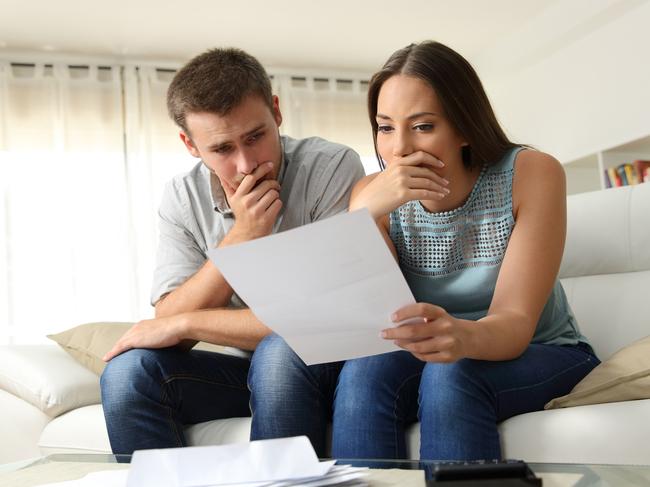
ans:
(476, 223)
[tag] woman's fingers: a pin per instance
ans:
(421, 158)
(427, 173)
(429, 184)
(418, 310)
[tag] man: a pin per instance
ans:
(250, 183)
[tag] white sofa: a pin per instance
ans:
(50, 403)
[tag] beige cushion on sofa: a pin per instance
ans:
(88, 343)
(625, 376)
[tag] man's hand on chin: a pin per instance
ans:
(156, 333)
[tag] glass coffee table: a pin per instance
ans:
(60, 467)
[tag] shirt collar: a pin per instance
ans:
(219, 200)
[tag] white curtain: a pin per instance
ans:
(85, 152)
(328, 107)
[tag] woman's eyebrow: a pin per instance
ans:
(415, 115)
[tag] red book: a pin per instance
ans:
(642, 169)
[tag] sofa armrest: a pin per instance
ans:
(47, 377)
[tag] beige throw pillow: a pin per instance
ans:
(625, 376)
(89, 343)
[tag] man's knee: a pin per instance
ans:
(276, 371)
(274, 351)
(128, 371)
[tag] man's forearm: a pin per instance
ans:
(231, 327)
(205, 289)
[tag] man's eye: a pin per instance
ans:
(384, 128)
(223, 149)
(255, 137)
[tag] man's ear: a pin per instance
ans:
(189, 145)
(276, 110)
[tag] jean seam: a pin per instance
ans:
(200, 379)
(549, 379)
(397, 393)
(165, 398)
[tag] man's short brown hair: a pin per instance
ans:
(216, 82)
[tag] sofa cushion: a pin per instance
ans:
(47, 378)
(89, 342)
(625, 376)
(614, 433)
(612, 310)
(21, 425)
(82, 430)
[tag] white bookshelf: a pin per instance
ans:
(588, 173)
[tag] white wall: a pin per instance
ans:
(582, 87)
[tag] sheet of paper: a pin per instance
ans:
(254, 462)
(282, 462)
(328, 288)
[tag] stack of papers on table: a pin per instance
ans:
(266, 463)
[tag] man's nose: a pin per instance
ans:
(246, 162)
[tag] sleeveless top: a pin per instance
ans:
(452, 258)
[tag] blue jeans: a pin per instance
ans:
(150, 395)
(371, 400)
(289, 398)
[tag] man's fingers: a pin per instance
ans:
(264, 187)
(117, 349)
(112, 353)
(269, 197)
(250, 180)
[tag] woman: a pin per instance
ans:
(478, 225)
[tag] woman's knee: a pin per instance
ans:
(377, 382)
(450, 386)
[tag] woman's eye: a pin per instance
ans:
(423, 127)
(384, 128)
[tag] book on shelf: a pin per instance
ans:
(621, 173)
(608, 181)
(643, 170)
(627, 174)
(614, 177)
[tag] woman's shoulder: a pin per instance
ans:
(532, 157)
(537, 175)
(533, 164)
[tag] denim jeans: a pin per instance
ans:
(371, 400)
(150, 395)
(289, 398)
